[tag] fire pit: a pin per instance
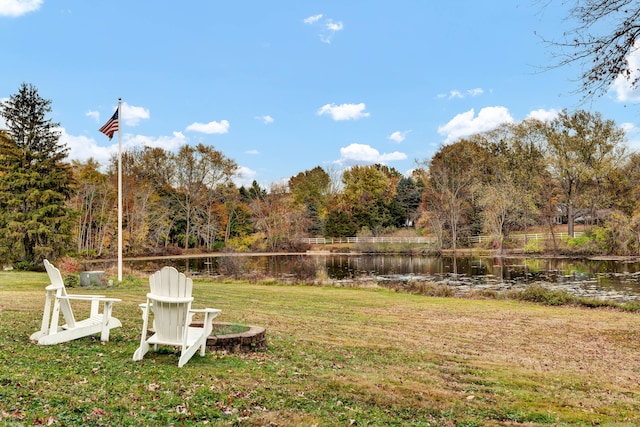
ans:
(236, 338)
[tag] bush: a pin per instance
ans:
(533, 247)
(304, 270)
(69, 265)
(24, 266)
(542, 295)
(233, 266)
(430, 289)
(578, 242)
(71, 280)
(585, 244)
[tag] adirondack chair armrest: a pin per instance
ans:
(209, 315)
(161, 298)
(81, 297)
(209, 311)
(95, 302)
(90, 298)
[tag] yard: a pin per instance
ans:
(336, 356)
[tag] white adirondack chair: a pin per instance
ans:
(170, 304)
(58, 300)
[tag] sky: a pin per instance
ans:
(281, 87)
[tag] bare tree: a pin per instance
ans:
(198, 170)
(279, 218)
(499, 202)
(453, 172)
(604, 36)
(94, 203)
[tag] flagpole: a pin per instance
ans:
(119, 190)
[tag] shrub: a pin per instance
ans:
(304, 270)
(71, 280)
(24, 265)
(585, 244)
(69, 265)
(233, 266)
(542, 295)
(430, 289)
(533, 247)
(578, 242)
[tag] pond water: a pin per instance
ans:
(609, 279)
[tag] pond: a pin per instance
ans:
(609, 279)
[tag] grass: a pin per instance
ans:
(336, 357)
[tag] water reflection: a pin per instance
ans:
(605, 278)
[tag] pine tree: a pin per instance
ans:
(35, 182)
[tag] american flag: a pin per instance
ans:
(111, 126)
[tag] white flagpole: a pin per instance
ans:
(119, 190)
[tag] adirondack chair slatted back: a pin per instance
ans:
(169, 282)
(57, 287)
(172, 317)
(170, 320)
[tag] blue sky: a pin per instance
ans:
(284, 86)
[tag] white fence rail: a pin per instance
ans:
(531, 236)
(426, 240)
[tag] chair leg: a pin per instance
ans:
(141, 351)
(106, 316)
(186, 354)
(144, 346)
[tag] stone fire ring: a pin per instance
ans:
(252, 340)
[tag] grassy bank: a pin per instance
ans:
(336, 357)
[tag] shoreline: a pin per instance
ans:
(465, 252)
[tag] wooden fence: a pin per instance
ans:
(427, 240)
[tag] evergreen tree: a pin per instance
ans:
(36, 182)
(406, 202)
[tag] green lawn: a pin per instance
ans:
(336, 357)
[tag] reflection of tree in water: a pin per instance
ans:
(233, 266)
(622, 276)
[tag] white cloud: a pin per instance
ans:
(457, 94)
(252, 152)
(633, 136)
(333, 26)
(170, 143)
(16, 8)
(543, 115)
(210, 128)
(82, 148)
(265, 119)
(622, 85)
(244, 176)
(329, 27)
(131, 115)
(95, 115)
(465, 124)
(313, 19)
(344, 111)
(356, 153)
(628, 127)
(398, 136)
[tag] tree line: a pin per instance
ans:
(575, 168)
